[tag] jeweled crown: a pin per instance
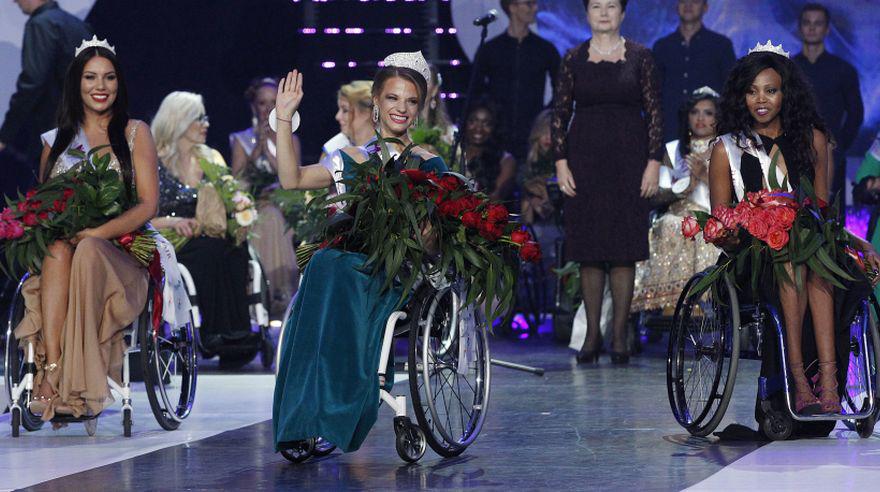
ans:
(94, 43)
(706, 91)
(413, 60)
(770, 48)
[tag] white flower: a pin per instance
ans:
(246, 217)
(242, 201)
(227, 177)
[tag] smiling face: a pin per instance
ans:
(764, 97)
(701, 119)
(264, 101)
(479, 126)
(398, 104)
(98, 85)
(604, 16)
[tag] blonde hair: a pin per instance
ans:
(358, 93)
(540, 126)
(176, 113)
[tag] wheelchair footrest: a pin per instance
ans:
(770, 386)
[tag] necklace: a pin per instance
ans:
(610, 50)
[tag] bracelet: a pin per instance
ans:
(282, 119)
(50, 368)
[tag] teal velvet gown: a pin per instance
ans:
(328, 383)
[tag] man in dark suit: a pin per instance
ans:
(689, 58)
(50, 37)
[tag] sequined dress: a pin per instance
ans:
(674, 259)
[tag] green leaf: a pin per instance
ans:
(772, 180)
(817, 268)
(831, 265)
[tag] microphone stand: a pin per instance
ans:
(459, 167)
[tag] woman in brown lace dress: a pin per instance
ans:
(89, 289)
(607, 137)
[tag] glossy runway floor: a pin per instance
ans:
(575, 428)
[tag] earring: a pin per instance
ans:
(433, 104)
(375, 114)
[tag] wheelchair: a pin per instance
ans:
(258, 306)
(166, 356)
(712, 331)
(448, 368)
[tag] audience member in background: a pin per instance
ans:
(50, 38)
(867, 192)
(355, 102)
(607, 141)
(512, 69)
(253, 162)
(487, 162)
(675, 259)
(218, 267)
(539, 168)
(836, 88)
(434, 115)
(690, 57)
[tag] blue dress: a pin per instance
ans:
(328, 379)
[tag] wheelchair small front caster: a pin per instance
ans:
(299, 451)
(865, 427)
(16, 421)
(126, 422)
(410, 442)
(323, 448)
(777, 425)
(91, 426)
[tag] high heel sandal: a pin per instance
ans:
(587, 356)
(805, 402)
(38, 405)
(829, 398)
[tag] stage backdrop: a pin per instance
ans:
(855, 32)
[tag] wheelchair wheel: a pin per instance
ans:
(409, 440)
(169, 364)
(450, 395)
(15, 366)
(862, 371)
(299, 451)
(703, 355)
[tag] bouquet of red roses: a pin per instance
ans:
(62, 206)
(413, 223)
(775, 229)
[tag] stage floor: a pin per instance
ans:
(575, 428)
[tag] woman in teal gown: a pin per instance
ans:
(328, 382)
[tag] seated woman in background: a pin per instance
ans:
(673, 258)
(253, 162)
(493, 169)
(867, 192)
(219, 268)
(354, 102)
(540, 167)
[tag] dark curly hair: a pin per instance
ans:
(684, 126)
(486, 167)
(798, 116)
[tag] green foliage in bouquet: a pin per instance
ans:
(84, 197)
(432, 137)
(410, 223)
(240, 207)
(301, 215)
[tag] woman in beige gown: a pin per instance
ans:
(89, 290)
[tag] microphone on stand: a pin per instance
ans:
(487, 19)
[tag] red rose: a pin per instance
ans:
(758, 226)
(415, 175)
(437, 195)
(726, 215)
(713, 230)
(777, 198)
(471, 219)
(68, 193)
(30, 219)
(450, 183)
(35, 205)
(491, 230)
(449, 208)
(520, 236)
(690, 227)
(530, 251)
(14, 230)
(3, 228)
(7, 214)
(21, 206)
(782, 217)
(43, 215)
(471, 202)
(30, 194)
(497, 213)
(777, 239)
(59, 205)
(126, 239)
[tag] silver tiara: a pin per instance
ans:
(414, 61)
(94, 43)
(769, 48)
(706, 91)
